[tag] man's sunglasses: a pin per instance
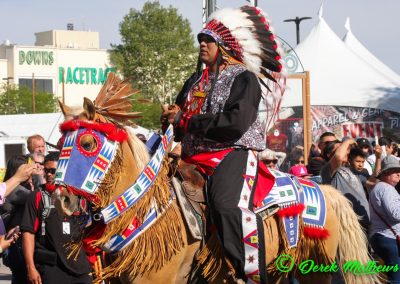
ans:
(205, 38)
(50, 171)
(275, 161)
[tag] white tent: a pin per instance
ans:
(339, 77)
(25, 125)
(361, 51)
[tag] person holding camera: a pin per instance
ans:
(12, 212)
(338, 173)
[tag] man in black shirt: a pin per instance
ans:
(49, 238)
(219, 127)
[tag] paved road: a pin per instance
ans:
(5, 275)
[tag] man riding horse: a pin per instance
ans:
(216, 120)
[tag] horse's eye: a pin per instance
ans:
(87, 146)
(88, 143)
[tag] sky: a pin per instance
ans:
(374, 22)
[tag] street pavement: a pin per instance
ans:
(5, 274)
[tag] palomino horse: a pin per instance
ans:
(164, 253)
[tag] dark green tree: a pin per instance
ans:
(157, 51)
(17, 100)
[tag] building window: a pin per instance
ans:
(41, 85)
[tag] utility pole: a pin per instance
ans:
(253, 2)
(209, 7)
(297, 21)
(33, 93)
(63, 86)
(8, 90)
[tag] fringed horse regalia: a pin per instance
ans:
(151, 223)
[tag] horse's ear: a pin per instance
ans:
(66, 110)
(89, 108)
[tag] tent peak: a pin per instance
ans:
(347, 25)
(321, 10)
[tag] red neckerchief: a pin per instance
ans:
(50, 187)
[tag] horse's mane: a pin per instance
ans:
(156, 245)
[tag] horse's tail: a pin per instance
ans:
(353, 242)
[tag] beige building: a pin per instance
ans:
(67, 63)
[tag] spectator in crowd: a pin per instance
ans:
(36, 143)
(51, 248)
(356, 164)
(365, 146)
(50, 166)
(385, 216)
(269, 158)
(314, 152)
(298, 167)
(395, 151)
(16, 201)
(341, 177)
(38, 178)
(291, 158)
(330, 162)
(324, 139)
(315, 163)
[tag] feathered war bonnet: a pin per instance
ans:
(247, 35)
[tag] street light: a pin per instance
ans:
(297, 21)
(253, 2)
(8, 80)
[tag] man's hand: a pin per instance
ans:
(33, 275)
(378, 151)
(5, 244)
(24, 172)
(169, 113)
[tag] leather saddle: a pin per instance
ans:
(192, 181)
(193, 184)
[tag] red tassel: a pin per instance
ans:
(290, 211)
(316, 233)
(110, 130)
(93, 236)
(91, 197)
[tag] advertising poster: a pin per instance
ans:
(345, 121)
